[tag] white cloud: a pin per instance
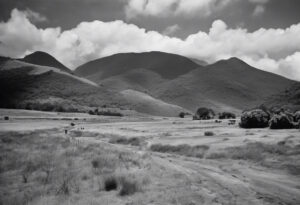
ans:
(34, 16)
(275, 50)
(166, 8)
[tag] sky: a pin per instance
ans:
(263, 33)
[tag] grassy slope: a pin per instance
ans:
(289, 98)
(226, 85)
(42, 58)
(18, 87)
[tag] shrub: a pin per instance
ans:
(128, 186)
(209, 133)
(282, 121)
(110, 183)
(181, 114)
(204, 114)
(255, 119)
(226, 115)
(6, 118)
(91, 112)
(297, 116)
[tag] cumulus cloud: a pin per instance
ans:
(35, 17)
(173, 7)
(167, 8)
(275, 50)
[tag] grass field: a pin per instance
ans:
(153, 160)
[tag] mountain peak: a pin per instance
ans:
(168, 65)
(45, 59)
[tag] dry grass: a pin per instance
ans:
(44, 165)
(184, 149)
(275, 156)
(134, 141)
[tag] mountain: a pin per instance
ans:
(30, 86)
(230, 85)
(44, 59)
(168, 66)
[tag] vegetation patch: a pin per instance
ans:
(204, 114)
(134, 141)
(209, 133)
(255, 119)
(184, 149)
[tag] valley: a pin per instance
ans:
(162, 160)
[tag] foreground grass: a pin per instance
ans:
(44, 167)
(275, 156)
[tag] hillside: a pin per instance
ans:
(168, 66)
(30, 86)
(145, 103)
(44, 59)
(289, 98)
(226, 85)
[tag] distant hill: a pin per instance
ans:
(155, 83)
(45, 59)
(229, 85)
(29, 86)
(168, 66)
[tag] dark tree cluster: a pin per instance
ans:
(105, 113)
(204, 114)
(279, 120)
(255, 119)
(226, 115)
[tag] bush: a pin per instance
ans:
(282, 121)
(209, 133)
(91, 112)
(128, 186)
(110, 183)
(297, 116)
(204, 114)
(181, 114)
(6, 118)
(226, 115)
(255, 119)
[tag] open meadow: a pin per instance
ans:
(144, 160)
